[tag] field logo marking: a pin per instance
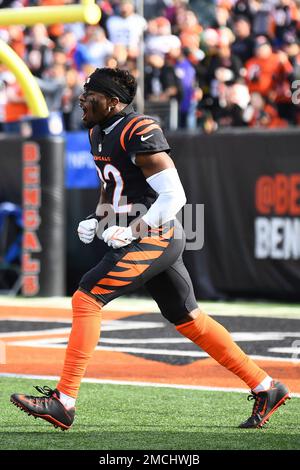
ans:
(296, 350)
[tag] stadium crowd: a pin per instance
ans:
(227, 63)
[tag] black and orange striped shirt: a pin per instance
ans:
(114, 147)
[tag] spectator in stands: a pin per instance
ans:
(39, 48)
(243, 45)
(232, 100)
(285, 18)
(16, 40)
(94, 49)
(76, 29)
(14, 106)
(290, 46)
(260, 113)
(160, 40)
(52, 84)
(217, 70)
(209, 42)
(269, 74)
(190, 30)
(60, 57)
(71, 111)
(186, 73)
(224, 59)
(68, 42)
(175, 12)
(161, 81)
(127, 27)
(222, 16)
(258, 39)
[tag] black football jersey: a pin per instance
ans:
(114, 147)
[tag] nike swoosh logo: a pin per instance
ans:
(146, 137)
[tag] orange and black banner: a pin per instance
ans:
(32, 177)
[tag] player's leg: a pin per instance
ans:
(119, 272)
(58, 405)
(178, 304)
(82, 342)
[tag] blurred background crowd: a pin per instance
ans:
(225, 63)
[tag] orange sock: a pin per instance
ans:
(82, 342)
(217, 342)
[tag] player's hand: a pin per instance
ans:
(87, 230)
(117, 237)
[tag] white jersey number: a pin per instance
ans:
(118, 199)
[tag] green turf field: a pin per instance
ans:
(131, 417)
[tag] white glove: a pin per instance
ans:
(87, 230)
(117, 237)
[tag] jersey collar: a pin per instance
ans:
(107, 130)
(111, 123)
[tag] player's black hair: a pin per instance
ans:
(113, 82)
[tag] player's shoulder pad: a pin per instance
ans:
(143, 134)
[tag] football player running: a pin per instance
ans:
(133, 160)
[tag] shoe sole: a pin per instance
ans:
(50, 419)
(267, 417)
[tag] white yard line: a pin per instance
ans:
(258, 309)
(54, 331)
(137, 384)
(56, 343)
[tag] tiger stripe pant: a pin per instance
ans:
(154, 262)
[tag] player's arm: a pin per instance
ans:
(153, 163)
(161, 174)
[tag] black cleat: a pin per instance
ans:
(47, 407)
(265, 404)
